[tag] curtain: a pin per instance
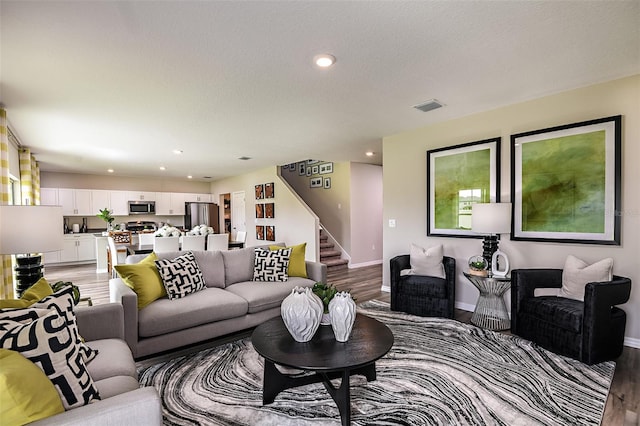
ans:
(6, 274)
(29, 178)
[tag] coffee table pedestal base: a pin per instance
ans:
(275, 382)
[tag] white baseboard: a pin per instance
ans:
(631, 342)
(364, 264)
(386, 289)
(465, 306)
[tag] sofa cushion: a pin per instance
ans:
(423, 286)
(116, 385)
(50, 344)
(143, 278)
(209, 305)
(114, 359)
(238, 265)
(36, 292)
(297, 264)
(271, 265)
(564, 313)
(181, 276)
(426, 262)
(61, 302)
(212, 267)
(26, 393)
(266, 295)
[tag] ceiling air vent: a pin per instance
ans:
(429, 105)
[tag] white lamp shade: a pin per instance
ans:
(491, 218)
(30, 229)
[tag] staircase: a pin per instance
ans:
(329, 256)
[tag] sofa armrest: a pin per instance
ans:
(120, 293)
(523, 285)
(100, 321)
(396, 265)
(138, 407)
(317, 271)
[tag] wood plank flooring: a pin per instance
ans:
(623, 404)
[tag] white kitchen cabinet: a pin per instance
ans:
(48, 196)
(50, 257)
(170, 203)
(142, 196)
(75, 202)
(120, 203)
(197, 198)
(100, 199)
(77, 248)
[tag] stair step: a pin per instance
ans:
(335, 263)
(324, 246)
(323, 238)
(329, 253)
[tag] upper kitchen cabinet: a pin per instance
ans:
(100, 199)
(48, 196)
(170, 203)
(75, 202)
(197, 198)
(142, 196)
(120, 203)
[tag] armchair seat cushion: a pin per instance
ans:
(564, 313)
(418, 285)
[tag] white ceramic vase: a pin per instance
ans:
(343, 314)
(301, 312)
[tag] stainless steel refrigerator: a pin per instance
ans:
(202, 214)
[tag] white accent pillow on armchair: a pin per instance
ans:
(577, 273)
(426, 261)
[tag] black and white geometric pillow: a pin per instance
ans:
(180, 276)
(271, 265)
(49, 344)
(62, 303)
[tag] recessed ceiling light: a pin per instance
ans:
(243, 158)
(324, 60)
(189, 177)
(110, 170)
(369, 153)
(163, 168)
(177, 151)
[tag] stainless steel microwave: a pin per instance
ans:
(142, 207)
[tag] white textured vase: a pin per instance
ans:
(343, 314)
(301, 312)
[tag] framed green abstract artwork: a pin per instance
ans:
(457, 177)
(566, 183)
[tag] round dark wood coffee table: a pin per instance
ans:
(329, 359)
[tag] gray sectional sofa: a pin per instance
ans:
(113, 371)
(231, 302)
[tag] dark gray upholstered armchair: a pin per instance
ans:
(422, 295)
(591, 331)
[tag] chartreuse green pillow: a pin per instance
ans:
(143, 277)
(35, 293)
(26, 393)
(297, 264)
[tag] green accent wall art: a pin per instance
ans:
(566, 183)
(457, 177)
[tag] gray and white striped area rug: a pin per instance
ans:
(439, 372)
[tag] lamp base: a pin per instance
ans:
(489, 246)
(28, 271)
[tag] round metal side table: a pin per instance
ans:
(491, 311)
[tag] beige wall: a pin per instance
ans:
(294, 224)
(405, 184)
(366, 214)
(332, 205)
(351, 210)
(121, 183)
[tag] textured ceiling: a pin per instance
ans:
(95, 85)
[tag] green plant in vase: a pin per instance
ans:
(105, 215)
(325, 292)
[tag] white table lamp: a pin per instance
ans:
(492, 219)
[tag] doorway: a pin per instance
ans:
(238, 214)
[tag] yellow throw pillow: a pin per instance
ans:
(35, 293)
(297, 264)
(143, 277)
(26, 393)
